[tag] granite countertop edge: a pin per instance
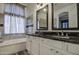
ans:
(48, 37)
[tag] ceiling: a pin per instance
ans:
(56, 5)
(29, 5)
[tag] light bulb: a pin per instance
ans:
(44, 9)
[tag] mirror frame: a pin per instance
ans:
(77, 4)
(42, 28)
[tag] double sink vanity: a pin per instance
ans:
(38, 44)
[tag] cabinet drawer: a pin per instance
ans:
(46, 50)
(73, 48)
(61, 52)
(35, 47)
(52, 42)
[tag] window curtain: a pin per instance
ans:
(14, 21)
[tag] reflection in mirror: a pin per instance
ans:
(65, 16)
(42, 19)
(63, 20)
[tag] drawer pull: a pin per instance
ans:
(51, 49)
(30, 41)
(57, 52)
(42, 40)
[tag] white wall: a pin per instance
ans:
(72, 9)
(1, 12)
(1, 7)
(50, 17)
(1, 17)
(30, 11)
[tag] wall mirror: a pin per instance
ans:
(42, 18)
(65, 16)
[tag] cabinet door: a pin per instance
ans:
(53, 43)
(28, 44)
(73, 48)
(35, 46)
(46, 50)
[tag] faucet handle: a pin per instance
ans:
(58, 34)
(66, 34)
(62, 33)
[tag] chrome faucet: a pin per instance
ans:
(66, 34)
(62, 34)
(58, 34)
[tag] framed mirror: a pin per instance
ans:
(65, 16)
(42, 18)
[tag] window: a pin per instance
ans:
(63, 20)
(14, 19)
(64, 23)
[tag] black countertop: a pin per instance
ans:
(69, 39)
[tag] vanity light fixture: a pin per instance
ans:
(44, 9)
(39, 5)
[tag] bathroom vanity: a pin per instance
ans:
(52, 45)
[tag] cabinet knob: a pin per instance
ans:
(30, 41)
(57, 52)
(51, 49)
(42, 40)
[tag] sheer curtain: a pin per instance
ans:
(7, 24)
(14, 19)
